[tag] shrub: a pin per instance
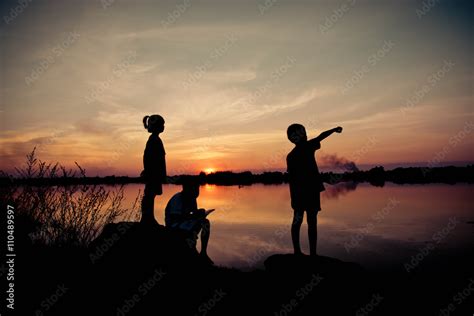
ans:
(64, 214)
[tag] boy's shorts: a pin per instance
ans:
(305, 199)
(190, 225)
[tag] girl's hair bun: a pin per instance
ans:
(150, 122)
(145, 121)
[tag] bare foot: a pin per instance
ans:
(206, 258)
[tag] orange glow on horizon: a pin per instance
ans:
(209, 170)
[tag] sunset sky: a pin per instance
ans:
(230, 76)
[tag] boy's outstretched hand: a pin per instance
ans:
(338, 129)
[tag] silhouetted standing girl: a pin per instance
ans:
(154, 165)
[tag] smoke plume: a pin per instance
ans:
(339, 163)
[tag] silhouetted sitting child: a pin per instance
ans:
(182, 213)
(154, 165)
(305, 183)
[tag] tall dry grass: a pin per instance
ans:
(63, 215)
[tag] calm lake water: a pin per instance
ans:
(369, 225)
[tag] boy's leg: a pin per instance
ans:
(311, 218)
(205, 233)
(295, 230)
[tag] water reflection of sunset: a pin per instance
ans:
(209, 187)
(251, 218)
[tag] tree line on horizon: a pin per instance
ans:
(376, 176)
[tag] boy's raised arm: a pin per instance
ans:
(327, 133)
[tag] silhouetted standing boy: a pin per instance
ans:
(305, 183)
(154, 165)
